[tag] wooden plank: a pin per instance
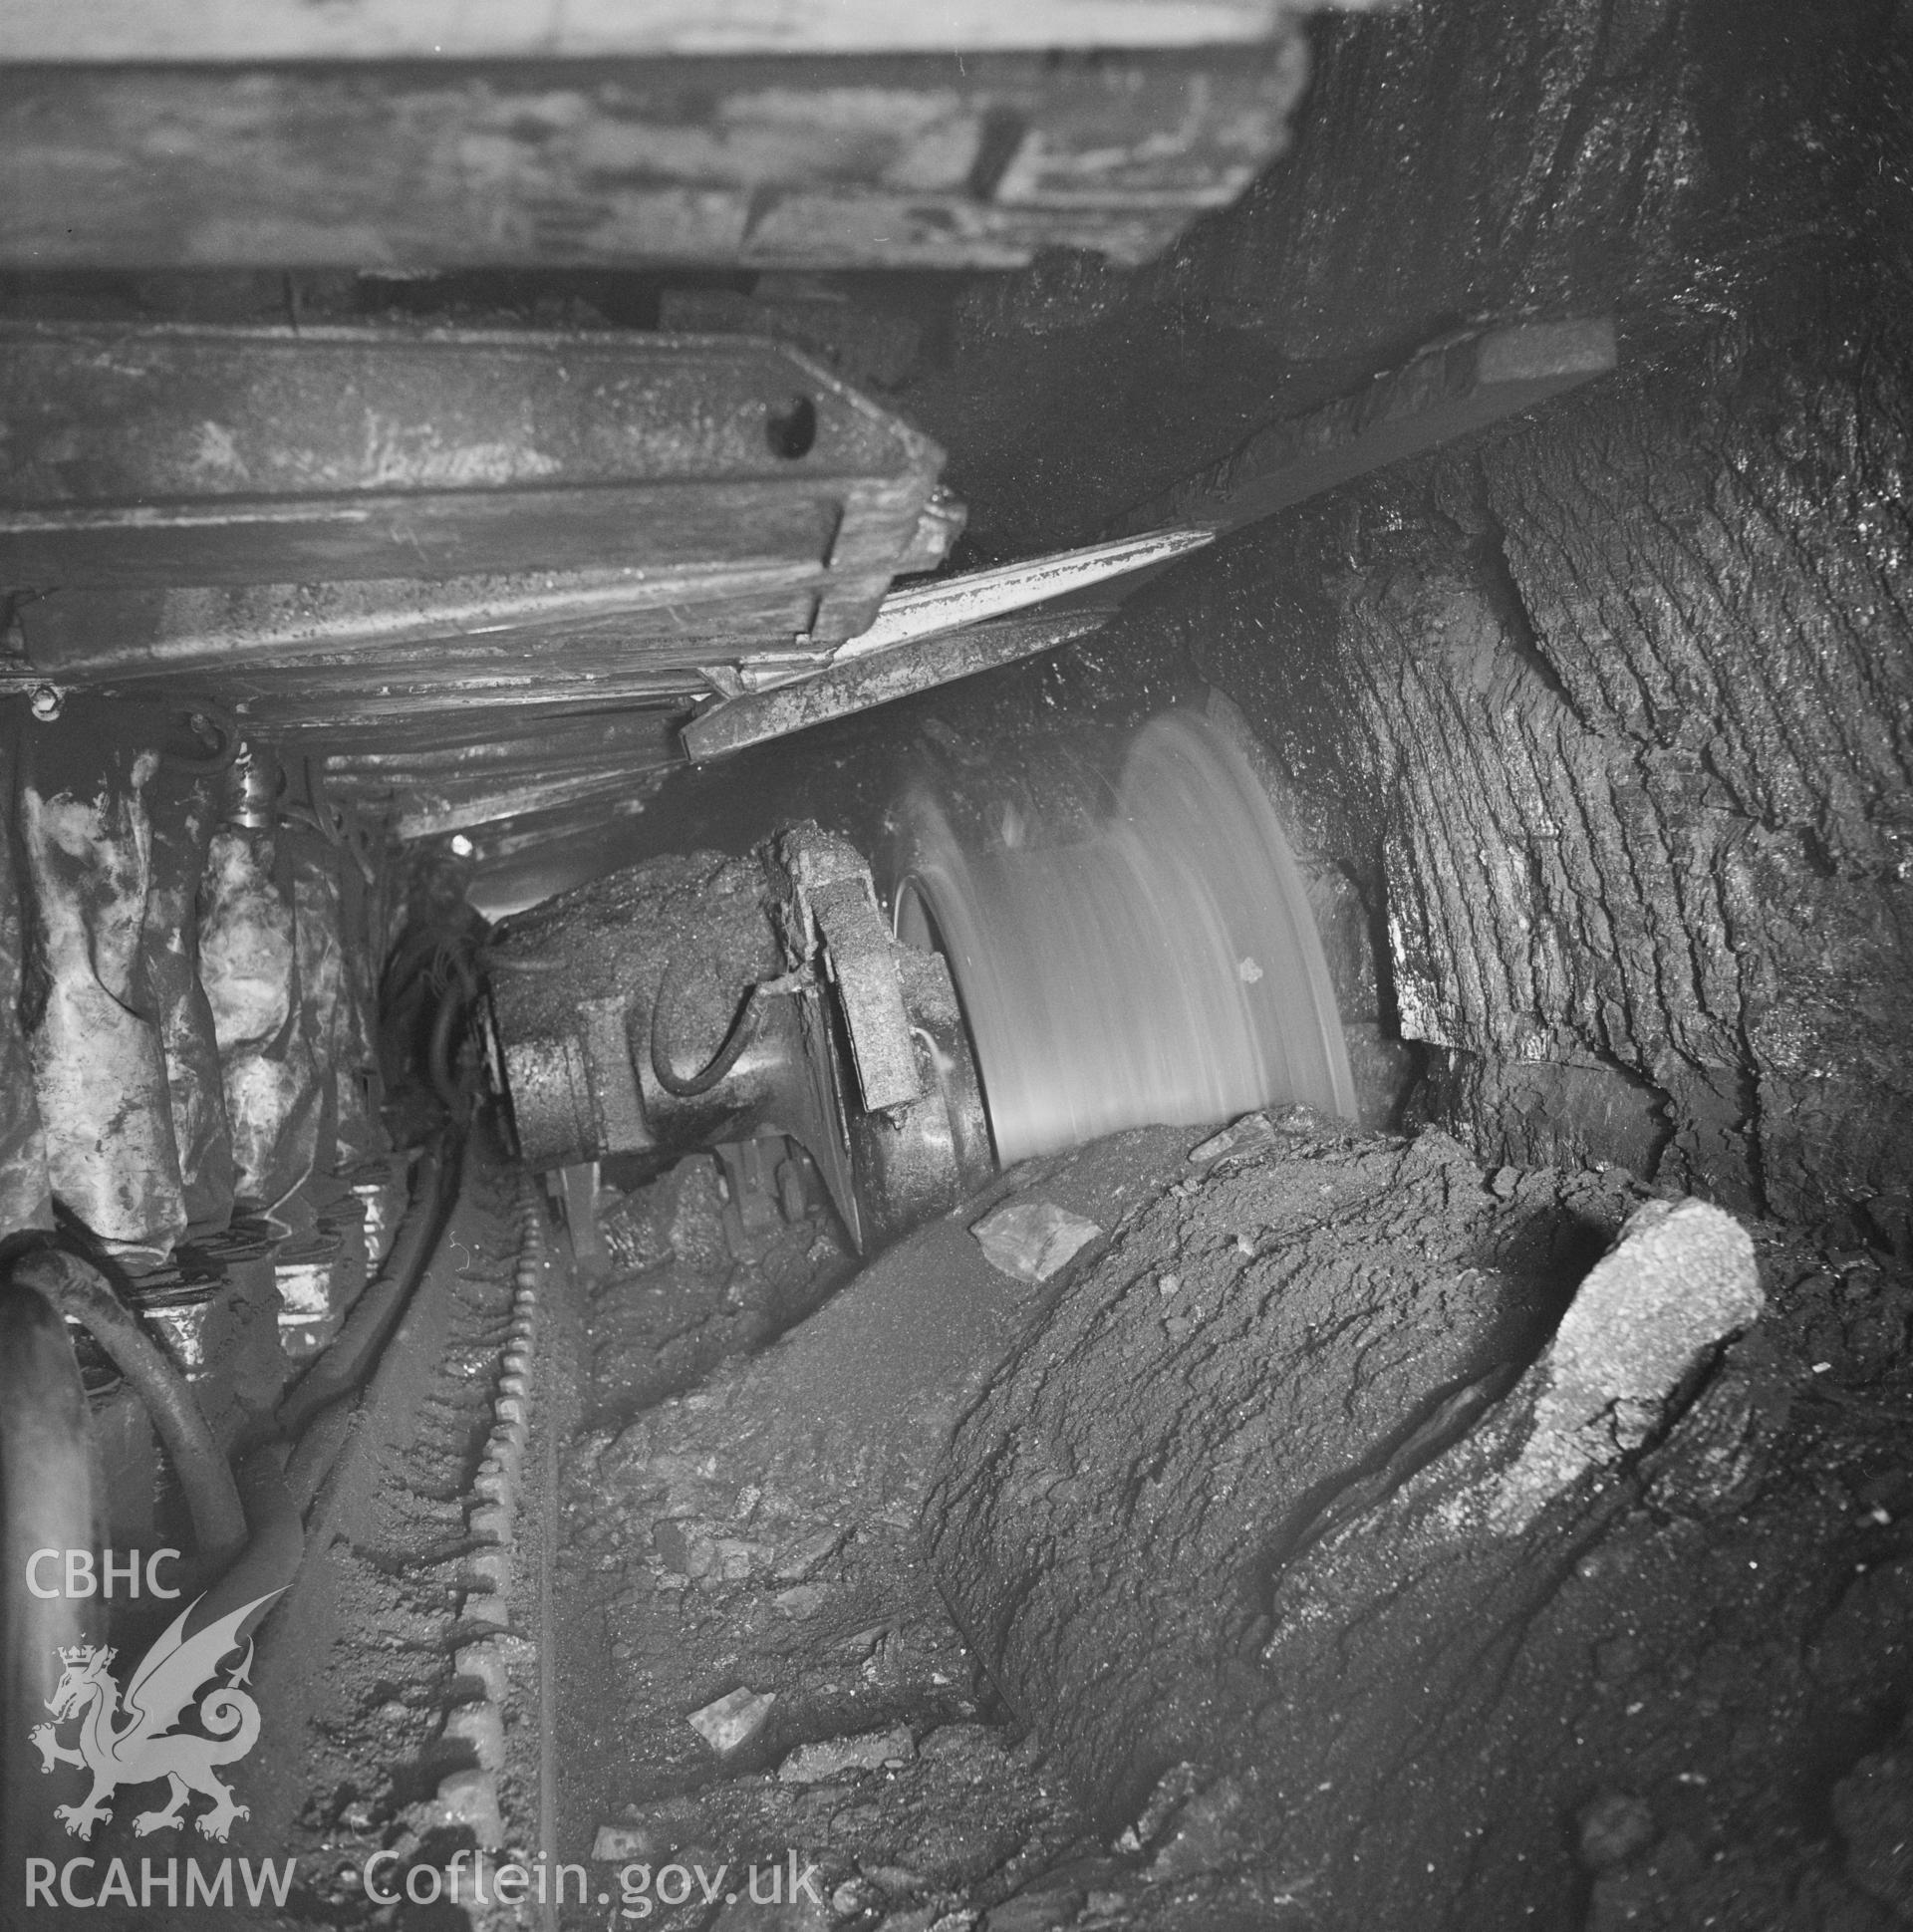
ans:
(469, 29)
(860, 684)
(931, 161)
(1450, 389)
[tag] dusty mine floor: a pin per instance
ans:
(754, 1536)
(1164, 1593)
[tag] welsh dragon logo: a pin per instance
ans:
(141, 1743)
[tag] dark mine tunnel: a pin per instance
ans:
(957, 965)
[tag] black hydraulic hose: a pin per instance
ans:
(451, 1010)
(352, 1353)
(77, 1289)
(743, 1028)
(438, 1056)
(45, 1503)
(44, 1455)
(275, 1542)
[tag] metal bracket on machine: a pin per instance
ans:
(920, 1141)
(837, 903)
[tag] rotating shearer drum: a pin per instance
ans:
(1165, 968)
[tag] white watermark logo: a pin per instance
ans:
(129, 1738)
(79, 1884)
(641, 1889)
(72, 1572)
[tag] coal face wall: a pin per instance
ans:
(1608, 717)
(1608, 713)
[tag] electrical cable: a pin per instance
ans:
(77, 1289)
(742, 1029)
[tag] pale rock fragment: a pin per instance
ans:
(468, 1800)
(617, 1843)
(813, 1763)
(1680, 1280)
(728, 1723)
(1031, 1239)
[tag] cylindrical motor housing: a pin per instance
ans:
(580, 983)
(698, 999)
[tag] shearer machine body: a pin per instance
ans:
(706, 1002)
(1158, 964)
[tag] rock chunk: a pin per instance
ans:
(813, 1763)
(1031, 1239)
(618, 1843)
(730, 1721)
(1680, 1279)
